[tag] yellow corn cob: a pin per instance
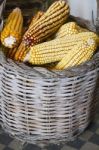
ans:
(11, 52)
(48, 24)
(79, 54)
(53, 51)
(21, 52)
(36, 17)
(23, 48)
(12, 32)
(10, 17)
(69, 29)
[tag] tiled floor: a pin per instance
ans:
(89, 140)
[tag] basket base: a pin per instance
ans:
(40, 141)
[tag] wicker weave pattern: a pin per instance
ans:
(38, 105)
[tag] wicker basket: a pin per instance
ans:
(38, 105)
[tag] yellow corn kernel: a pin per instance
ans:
(12, 32)
(53, 51)
(48, 24)
(23, 48)
(69, 29)
(36, 17)
(78, 54)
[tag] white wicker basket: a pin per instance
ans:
(38, 105)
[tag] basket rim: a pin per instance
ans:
(42, 72)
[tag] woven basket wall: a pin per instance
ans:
(38, 105)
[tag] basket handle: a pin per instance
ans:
(97, 19)
(2, 7)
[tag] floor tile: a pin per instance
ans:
(53, 147)
(14, 143)
(86, 135)
(97, 119)
(97, 131)
(95, 139)
(2, 146)
(1, 130)
(7, 148)
(93, 126)
(76, 144)
(68, 148)
(32, 147)
(5, 139)
(90, 146)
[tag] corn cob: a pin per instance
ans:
(36, 17)
(21, 52)
(79, 54)
(23, 48)
(53, 51)
(69, 29)
(11, 16)
(48, 24)
(11, 53)
(12, 32)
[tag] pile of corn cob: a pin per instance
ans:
(49, 38)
